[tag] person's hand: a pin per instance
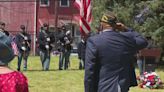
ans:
(28, 44)
(23, 42)
(121, 26)
(23, 48)
(47, 46)
(25, 38)
(48, 39)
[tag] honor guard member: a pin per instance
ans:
(68, 47)
(109, 56)
(45, 41)
(23, 41)
(60, 43)
(81, 52)
(2, 28)
(65, 41)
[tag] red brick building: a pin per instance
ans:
(15, 14)
(56, 11)
(33, 13)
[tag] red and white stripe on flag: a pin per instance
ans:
(14, 47)
(85, 15)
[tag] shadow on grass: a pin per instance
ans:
(160, 68)
(30, 86)
(36, 70)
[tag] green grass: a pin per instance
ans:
(62, 81)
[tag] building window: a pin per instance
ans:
(44, 3)
(64, 3)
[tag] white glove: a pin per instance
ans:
(67, 42)
(25, 38)
(23, 48)
(47, 46)
(65, 38)
(48, 39)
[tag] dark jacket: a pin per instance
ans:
(20, 39)
(43, 42)
(6, 32)
(63, 42)
(81, 50)
(108, 60)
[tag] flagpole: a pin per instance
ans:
(34, 46)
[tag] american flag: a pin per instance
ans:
(85, 15)
(14, 47)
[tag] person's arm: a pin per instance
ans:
(29, 38)
(18, 41)
(25, 87)
(79, 50)
(52, 37)
(22, 84)
(6, 32)
(71, 40)
(41, 39)
(91, 68)
(141, 42)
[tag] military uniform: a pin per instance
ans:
(23, 41)
(5, 32)
(2, 29)
(65, 49)
(45, 41)
(81, 53)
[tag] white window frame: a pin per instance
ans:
(44, 5)
(68, 4)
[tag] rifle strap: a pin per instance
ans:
(22, 35)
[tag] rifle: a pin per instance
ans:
(26, 40)
(25, 44)
(47, 39)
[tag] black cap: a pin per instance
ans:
(22, 26)
(2, 23)
(45, 25)
(63, 27)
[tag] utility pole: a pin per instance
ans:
(35, 26)
(56, 13)
(56, 19)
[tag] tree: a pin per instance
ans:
(145, 16)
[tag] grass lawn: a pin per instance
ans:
(62, 81)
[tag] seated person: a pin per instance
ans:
(10, 80)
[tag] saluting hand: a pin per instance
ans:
(121, 27)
